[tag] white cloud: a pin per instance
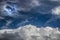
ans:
(30, 32)
(56, 10)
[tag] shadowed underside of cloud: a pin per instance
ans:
(30, 32)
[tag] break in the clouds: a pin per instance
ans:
(30, 32)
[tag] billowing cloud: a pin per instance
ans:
(30, 32)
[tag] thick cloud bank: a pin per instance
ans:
(30, 32)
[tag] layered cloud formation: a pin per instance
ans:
(30, 32)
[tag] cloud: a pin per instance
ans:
(54, 0)
(26, 5)
(30, 32)
(11, 7)
(56, 10)
(22, 4)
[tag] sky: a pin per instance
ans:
(29, 19)
(15, 13)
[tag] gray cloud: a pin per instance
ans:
(30, 32)
(11, 7)
(22, 4)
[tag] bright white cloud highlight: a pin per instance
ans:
(30, 32)
(56, 10)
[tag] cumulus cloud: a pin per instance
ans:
(30, 32)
